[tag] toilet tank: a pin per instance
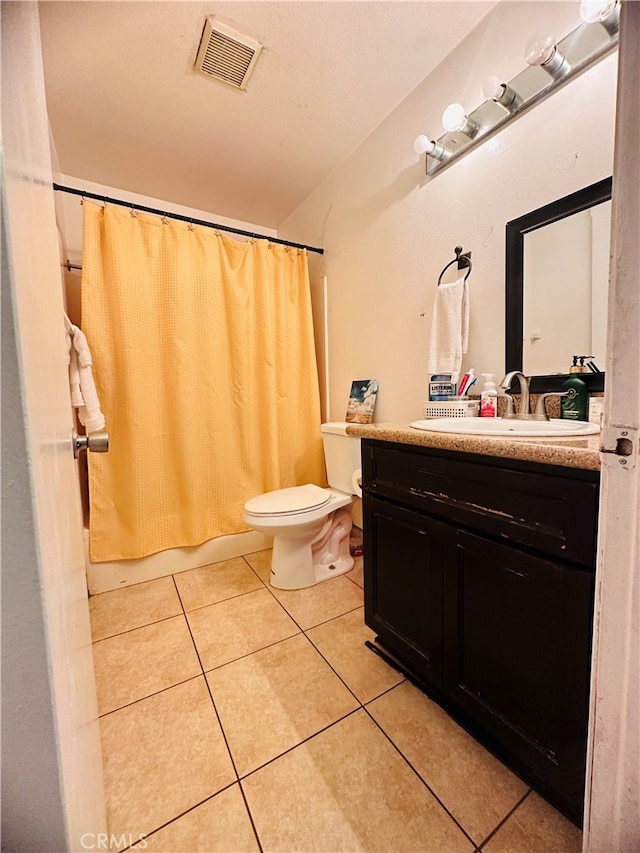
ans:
(341, 455)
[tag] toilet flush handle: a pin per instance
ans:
(356, 482)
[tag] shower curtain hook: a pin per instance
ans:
(163, 219)
(191, 226)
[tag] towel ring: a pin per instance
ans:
(462, 259)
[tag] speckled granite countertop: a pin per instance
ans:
(570, 452)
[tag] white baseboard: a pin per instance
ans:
(103, 577)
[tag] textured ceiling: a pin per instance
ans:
(127, 110)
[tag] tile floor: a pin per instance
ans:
(237, 717)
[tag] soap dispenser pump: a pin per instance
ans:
(489, 397)
(575, 402)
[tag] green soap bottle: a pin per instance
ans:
(575, 405)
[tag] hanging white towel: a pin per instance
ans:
(84, 396)
(449, 338)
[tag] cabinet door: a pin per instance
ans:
(405, 554)
(517, 632)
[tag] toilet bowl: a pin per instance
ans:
(311, 525)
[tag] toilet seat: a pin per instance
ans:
(283, 502)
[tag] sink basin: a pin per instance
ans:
(499, 426)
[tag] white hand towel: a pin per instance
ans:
(449, 338)
(84, 396)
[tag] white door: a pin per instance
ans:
(612, 809)
(52, 793)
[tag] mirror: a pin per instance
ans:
(557, 267)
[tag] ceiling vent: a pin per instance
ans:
(226, 54)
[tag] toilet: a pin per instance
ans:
(311, 525)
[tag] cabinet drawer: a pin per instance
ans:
(551, 509)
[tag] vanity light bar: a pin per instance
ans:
(579, 50)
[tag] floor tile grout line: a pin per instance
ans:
(352, 580)
(337, 675)
(427, 786)
(257, 573)
(224, 734)
(137, 627)
(182, 814)
(300, 743)
(268, 587)
(299, 627)
(183, 611)
(337, 616)
(275, 597)
(222, 600)
(501, 823)
(357, 698)
(384, 692)
(150, 695)
(210, 692)
(248, 654)
(246, 803)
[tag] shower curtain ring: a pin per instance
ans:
(132, 212)
(191, 226)
(163, 219)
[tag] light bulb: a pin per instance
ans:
(501, 93)
(605, 12)
(454, 118)
(424, 145)
(492, 89)
(594, 11)
(542, 50)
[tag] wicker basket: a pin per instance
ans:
(450, 408)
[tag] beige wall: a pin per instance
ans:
(388, 230)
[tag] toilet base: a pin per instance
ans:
(292, 566)
(331, 570)
(298, 563)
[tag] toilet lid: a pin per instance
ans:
(289, 501)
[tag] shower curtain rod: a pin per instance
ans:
(104, 198)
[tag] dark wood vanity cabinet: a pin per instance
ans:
(479, 579)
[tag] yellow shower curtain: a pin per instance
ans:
(205, 366)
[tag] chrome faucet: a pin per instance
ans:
(524, 413)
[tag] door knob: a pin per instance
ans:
(96, 442)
